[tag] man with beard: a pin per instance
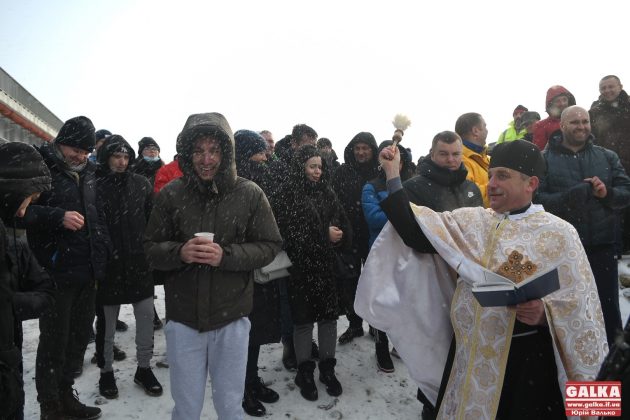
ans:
(586, 185)
(66, 233)
(208, 287)
(558, 98)
(360, 166)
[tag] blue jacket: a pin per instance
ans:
(373, 193)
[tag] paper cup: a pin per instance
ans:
(208, 235)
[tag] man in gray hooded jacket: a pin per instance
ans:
(208, 286)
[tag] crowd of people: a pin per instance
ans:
(103, 227)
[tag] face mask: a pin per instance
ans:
(151, 159)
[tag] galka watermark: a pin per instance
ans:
(593, 399)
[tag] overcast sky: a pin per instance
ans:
(139, 68)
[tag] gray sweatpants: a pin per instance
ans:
(326, 338)
(193, 355)
(143, 311)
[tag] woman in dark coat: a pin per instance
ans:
(126, 201)
(249, 152)
(149, 161)
(313, 224)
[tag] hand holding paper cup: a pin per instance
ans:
(207, 235)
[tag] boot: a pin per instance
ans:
(73, 408)
(107, 385)
(328, 378)
(288, 354)
(251, 405)
(350, 334)
(305, 380)
(147, 380)
(121, 326)
(50, 410)
(262, 392)
(383, 360)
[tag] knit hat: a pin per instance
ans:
(77, 132)
(520, 155)
(247, 143)
(22, 173)
(145, 142)
(102, 134)
(519, 108)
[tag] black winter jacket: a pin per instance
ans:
(311, 208)
(611, 126)
(347, 182)
(441, 189)
(126, 199)
(70, 256)
(147, 169)
(564, 193)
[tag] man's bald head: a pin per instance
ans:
(575, 124)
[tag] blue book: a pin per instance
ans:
(496, 290)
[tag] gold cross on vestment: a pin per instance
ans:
(516, 271)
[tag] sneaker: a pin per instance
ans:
(121, 326)
(350, 335)
(107, 385)
(383, 360)
(73, 408)
(147, 380)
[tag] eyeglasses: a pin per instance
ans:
(151, 149)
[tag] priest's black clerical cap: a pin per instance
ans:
(521, 156)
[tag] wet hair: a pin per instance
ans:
(300, 130)
(611, 76)
(466, 122)
(448, 137)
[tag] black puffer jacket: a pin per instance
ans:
(348, 181)
(70, 256)
(564, 193)
(611, 126)
(441, 189)
(126, 201)
(147, 169)
(310, 209)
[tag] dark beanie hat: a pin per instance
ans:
(22, 173)
(145, 142)
(102, 134)
(323, 142)
(77, 132)
(520, 155)
(247, 143)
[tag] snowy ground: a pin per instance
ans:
(367, 394)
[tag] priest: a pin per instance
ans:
(510, 362)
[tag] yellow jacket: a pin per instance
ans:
(477, 166)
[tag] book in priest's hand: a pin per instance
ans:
(495, 290)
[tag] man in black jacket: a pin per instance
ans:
(442, 184)
(610, 123)
(360, 166)
(23, 176)
(66, 233)
(585, 185)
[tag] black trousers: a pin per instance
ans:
(530, 387)
(604, 265)
(63, 336)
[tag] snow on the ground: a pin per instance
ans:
(367, 392)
